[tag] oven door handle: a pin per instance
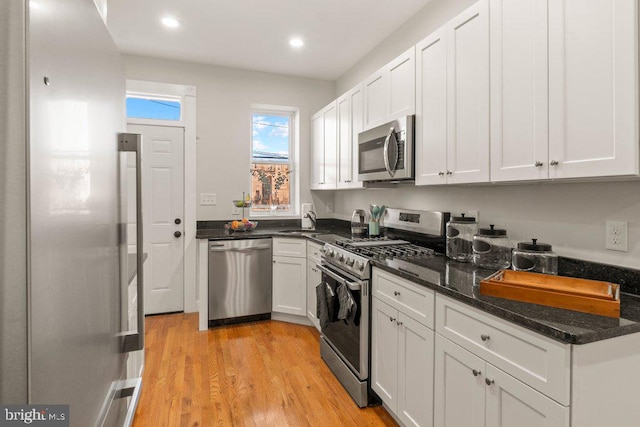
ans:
(354, 286)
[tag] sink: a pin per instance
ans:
(300, 232)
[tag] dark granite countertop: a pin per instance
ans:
(326, 231)
(461, 281)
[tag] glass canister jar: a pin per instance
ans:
(460, 232)
(536, 257)
(492, 248)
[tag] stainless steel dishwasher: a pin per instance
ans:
(239, 280)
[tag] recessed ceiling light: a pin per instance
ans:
(296, 42)
(170, 22)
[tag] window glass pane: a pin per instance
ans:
(270, 137)
(270, 187)
(159, 109)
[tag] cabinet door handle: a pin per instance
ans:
(553, 163)
(396, 293)
(484, 337)
(476, 372)
(392, 319)
(399, 323)
(538, 164)
(449, 173)
(489, 382)
(441, 173)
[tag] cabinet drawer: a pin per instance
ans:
(290, 247)
(313, 251)
(538, 361)
(411, 299)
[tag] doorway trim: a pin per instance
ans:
(187, 94)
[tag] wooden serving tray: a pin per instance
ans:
(587, 296)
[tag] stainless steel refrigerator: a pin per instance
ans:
(63, 266)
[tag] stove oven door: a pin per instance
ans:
(349, 337)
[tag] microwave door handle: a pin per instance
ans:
(387, 163)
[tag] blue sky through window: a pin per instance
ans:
(159, 109)
(270, 136)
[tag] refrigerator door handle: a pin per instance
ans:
(132, 142)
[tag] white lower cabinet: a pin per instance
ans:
(471, 392)
(289, 276)
(290, 285)
(402, 363)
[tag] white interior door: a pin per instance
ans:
(163, 205)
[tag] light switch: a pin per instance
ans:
(208, 199)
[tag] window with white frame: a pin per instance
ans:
(272, 162)
(141, 106)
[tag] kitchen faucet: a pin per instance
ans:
(313, 217)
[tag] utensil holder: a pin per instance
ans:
(374, 229)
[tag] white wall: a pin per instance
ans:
(224, 99)
(570, 216)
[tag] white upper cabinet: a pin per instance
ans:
(390, 92)
(324, 136)
(375, 103)
(519, 90)
(452, 105)
(431, 109)
(468, 95)
(350, 119)
(402, 85)
(593, 88)
(317, 151)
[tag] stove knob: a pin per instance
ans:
(323, 250)
(340, 257)
(360, 265)
(350, 262)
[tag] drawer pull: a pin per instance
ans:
(489, 382)
(476, 372)
(396, 293)
(484, 337)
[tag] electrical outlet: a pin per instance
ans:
(329, 207)
(616, 236)
(208, 199)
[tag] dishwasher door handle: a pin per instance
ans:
(252, 248)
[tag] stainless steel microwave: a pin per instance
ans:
(385, 153)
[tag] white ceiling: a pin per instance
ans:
(254, 34)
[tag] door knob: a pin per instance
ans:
(538, 164)
(177, 234)
(553, 163)
(489, 381)
(177, 221)
(476, 372)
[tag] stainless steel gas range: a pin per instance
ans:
(345, 293)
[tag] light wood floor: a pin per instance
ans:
(264, 373)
